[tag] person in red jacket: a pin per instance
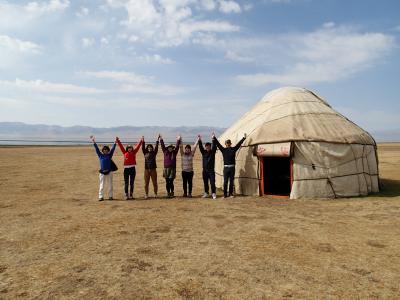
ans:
(129, 166)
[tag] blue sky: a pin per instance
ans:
(187, 62)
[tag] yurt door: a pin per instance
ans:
(275, 169)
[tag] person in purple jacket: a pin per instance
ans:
(169, 173)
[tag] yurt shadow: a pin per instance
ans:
(389, 188)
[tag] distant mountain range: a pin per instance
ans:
(27, 132)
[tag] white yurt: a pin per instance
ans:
(298, 146)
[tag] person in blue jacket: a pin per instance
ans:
(107, 166)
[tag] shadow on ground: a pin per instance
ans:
(389, 188)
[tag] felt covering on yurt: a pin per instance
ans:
(332, 156)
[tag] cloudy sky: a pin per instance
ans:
(194, 62)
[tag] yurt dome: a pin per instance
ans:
(298, 146)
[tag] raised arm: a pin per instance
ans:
(137, 147)
(120, 145)
(181, 148)
(95, 145)
(214, 145)
(195, 147)
(237, 146)
(143, 145)
(97, 149)
(162, 144)
(156, 148)
(218, 144)
(201, 145)
(178, 142)
(112, 149)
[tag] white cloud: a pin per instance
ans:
(87, 42)
(47, 87)
(104, 41)
(17, 45)
(118, 76)
(327, 54)
(236, 57)
(16, 54)
(14, 16)
(208, 4)
(134, 83)
(167, 23)
(83, 12)
(248, 7)
(228, 7)
(46, 7)
(156, 59)
(328, 25)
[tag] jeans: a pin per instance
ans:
(169, 183)
(187, 178)
(129, 179)
(229, 175)
(209, 176)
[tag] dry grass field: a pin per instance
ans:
(58, 242)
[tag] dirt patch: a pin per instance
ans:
(376, 244)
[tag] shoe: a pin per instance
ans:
(146, 196)
(155, 195)
(111, 198)
(231, 196)
(126, 197)
(172, 195)
(131, 196)
(205, 195)
(190, 196)
(214, 196)
(225, 196)
(101, 199)
(184, 195)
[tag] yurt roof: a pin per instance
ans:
(295, 114)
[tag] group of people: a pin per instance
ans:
(107, 166)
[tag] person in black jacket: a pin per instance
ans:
(229, 155)
(208, 154)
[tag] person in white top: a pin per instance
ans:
(187, 167)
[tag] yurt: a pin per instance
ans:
(298, 146)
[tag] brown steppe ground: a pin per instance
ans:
(58, 242)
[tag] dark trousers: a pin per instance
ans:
(169, 183)
(187, 178)
(129, 179)
(209, 176)
(229, 175)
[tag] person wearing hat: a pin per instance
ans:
(107, 166)
(169, 173)
(129, 166)
(229, 155)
